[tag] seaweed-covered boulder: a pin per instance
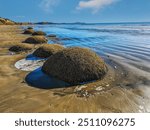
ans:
(36, 40)
(39, 33)
(66, 39)
(28, 31)
(30, 28)
(20, 48)
(47, 50)
(51, 36)
(75, 65)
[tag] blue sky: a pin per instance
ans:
(76, 10)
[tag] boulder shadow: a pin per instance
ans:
(32, 57)
(39, 79)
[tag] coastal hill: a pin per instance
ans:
(5, 21)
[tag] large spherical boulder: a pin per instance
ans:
(39, 33)
(75, 65)
(20, 48)
(47, 50)
(28, 31)
(36, 40)
(51, 35)
(30, 28)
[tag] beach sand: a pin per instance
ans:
(17, 96)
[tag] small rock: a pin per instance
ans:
(79, 88)
(99, 88)
(107, 85)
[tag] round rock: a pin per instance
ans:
(75, 66)
(39, 33)
(28, 31)
(20, 48)
(47, 50)
(36, 40)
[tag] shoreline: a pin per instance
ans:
(17, 96)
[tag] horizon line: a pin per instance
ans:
(90, 22)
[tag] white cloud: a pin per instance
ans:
(47, 5)
(95, 5)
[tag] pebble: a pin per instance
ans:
(99, 88)
(107, 85)
(115, 67)
(141, 107)
(79, 88)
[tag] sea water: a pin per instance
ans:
(127, 42)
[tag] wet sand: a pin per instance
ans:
(120, 91)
